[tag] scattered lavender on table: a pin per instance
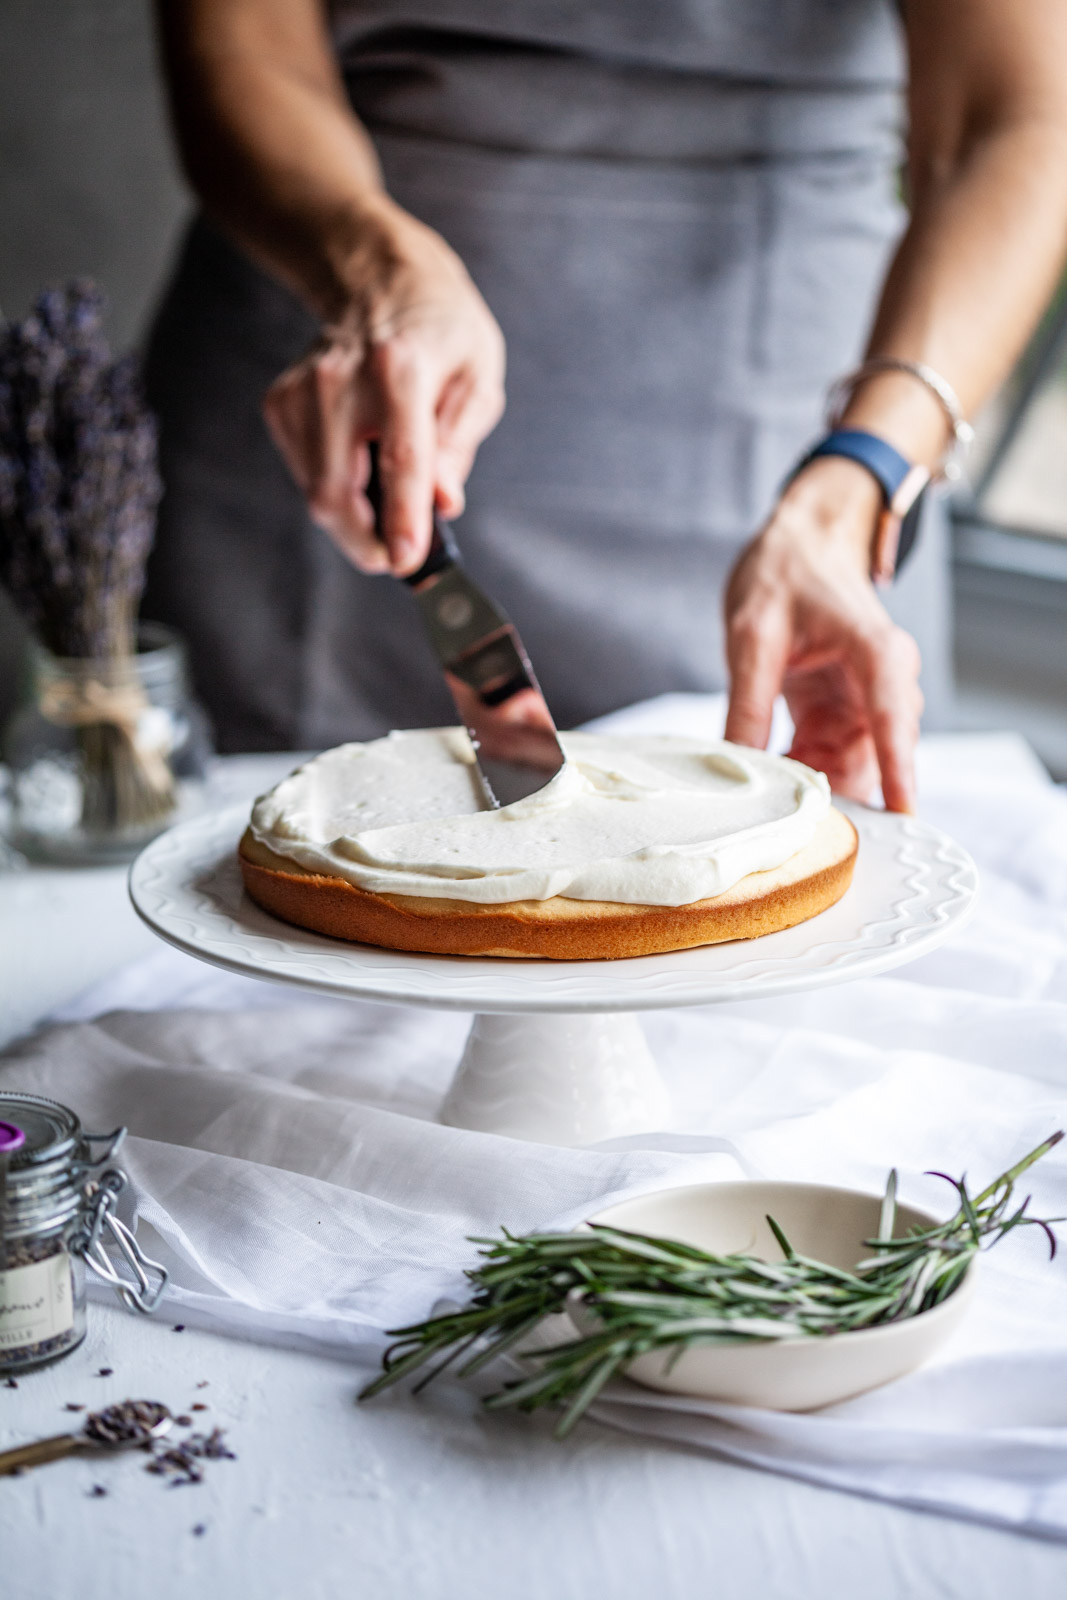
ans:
(78, 494)
(132, 1422)
(183, 1463)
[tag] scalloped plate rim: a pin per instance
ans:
(934, 879)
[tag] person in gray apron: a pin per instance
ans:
(681, 217)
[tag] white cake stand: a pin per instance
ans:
(555, 1053)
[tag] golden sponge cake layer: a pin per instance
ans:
(557, 929)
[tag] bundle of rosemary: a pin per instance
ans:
(78, 494)
(653, 1294)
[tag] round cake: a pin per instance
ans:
(639, 845)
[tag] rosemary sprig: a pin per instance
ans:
(652, 1294)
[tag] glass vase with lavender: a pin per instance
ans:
(107, 744)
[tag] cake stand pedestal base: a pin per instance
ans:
(557, 1079)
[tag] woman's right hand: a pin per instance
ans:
(416, 361)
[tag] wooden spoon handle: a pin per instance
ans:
(42, 1450)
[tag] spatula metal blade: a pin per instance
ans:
(486, 668)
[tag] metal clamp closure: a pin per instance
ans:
(112, 1141)
(140, 1294)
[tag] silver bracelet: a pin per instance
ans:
(844, 388)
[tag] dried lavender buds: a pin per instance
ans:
(133, 1423)
(183, 1463)
(130, 1422)
(78, 495)
(38, 1302)
(55, 1213)
(78, 479)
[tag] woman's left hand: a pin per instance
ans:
(803, 619)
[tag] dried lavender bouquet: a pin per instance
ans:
(78, 494)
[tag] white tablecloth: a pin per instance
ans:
(286, 1158)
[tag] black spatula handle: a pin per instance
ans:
(444, 551)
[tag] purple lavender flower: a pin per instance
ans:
(78, 479)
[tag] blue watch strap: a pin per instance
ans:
(888, 468)
(883, 462)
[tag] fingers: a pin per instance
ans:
(831, 729)
(407, 453)
(888, 669)
(757, 650)
(287, 415)
(334, 495)
(322, 411)
(320, 415)
(312, 412)
(469, 409)
(857, 717)
(800, 600)
(851, 767)
(455, 444)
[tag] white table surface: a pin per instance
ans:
(424, 1499)
(431, 1500)
(64, 928)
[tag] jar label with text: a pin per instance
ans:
(36, 1302)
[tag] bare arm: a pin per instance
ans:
(977, 264)
(414, 357)
(987, 174)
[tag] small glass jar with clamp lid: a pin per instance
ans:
(57, 1200)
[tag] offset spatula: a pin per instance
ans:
(486, 668)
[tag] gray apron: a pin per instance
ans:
(680, 215)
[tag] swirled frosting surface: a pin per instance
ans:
(645, 819)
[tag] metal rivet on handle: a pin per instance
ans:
(454, 611)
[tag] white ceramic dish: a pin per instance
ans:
(550, 1057)
(912, 888)
(798, 1374)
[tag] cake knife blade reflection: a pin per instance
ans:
(486, 668)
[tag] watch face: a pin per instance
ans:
(906, 497)
(909, 530)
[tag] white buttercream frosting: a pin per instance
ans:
(645, 819)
